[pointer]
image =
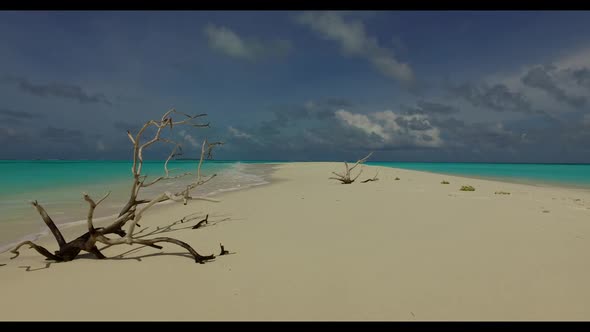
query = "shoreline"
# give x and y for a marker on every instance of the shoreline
(539, 184)
(528, 182)
(309, 248)
(44, 232)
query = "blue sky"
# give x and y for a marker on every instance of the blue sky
(412, 86)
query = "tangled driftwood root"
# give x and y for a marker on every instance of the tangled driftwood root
(135, 208)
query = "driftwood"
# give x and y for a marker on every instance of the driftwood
(205, 220)
(345, 178)
(135, 208)
(375, 178)
(223, 251)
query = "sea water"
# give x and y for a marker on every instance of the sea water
(568, 175)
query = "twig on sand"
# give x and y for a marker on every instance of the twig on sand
(206, 221)
(375, 178)
(223, 251)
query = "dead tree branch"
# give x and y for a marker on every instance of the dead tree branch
(345, 177)
(375, 178)
(205, 220)
(135, 208)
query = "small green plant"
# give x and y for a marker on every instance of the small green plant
(445, 182)
(396, 179)
(467, 188)
(502, 193)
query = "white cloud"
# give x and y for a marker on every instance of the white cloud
(243, 135)
(394, 129)
(559, 71)
(228, 42)
(362, 122)
(238, 133)
(353, 39)
(189, 139)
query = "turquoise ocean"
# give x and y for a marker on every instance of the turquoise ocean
(58, 185)
(567, 175)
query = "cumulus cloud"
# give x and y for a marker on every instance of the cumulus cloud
(355, 41)
(405, 135)
(557, 88)
(315, 127)
(362, 122)
(543, 78)
(228, 42)
(394, 129)
(240, 136)
(286, 116)
(238, 133)
(189, 138)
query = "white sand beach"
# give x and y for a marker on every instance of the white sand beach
(309, 248)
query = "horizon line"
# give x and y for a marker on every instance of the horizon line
(291, 160)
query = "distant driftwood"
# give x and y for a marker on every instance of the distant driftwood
(345, 178)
